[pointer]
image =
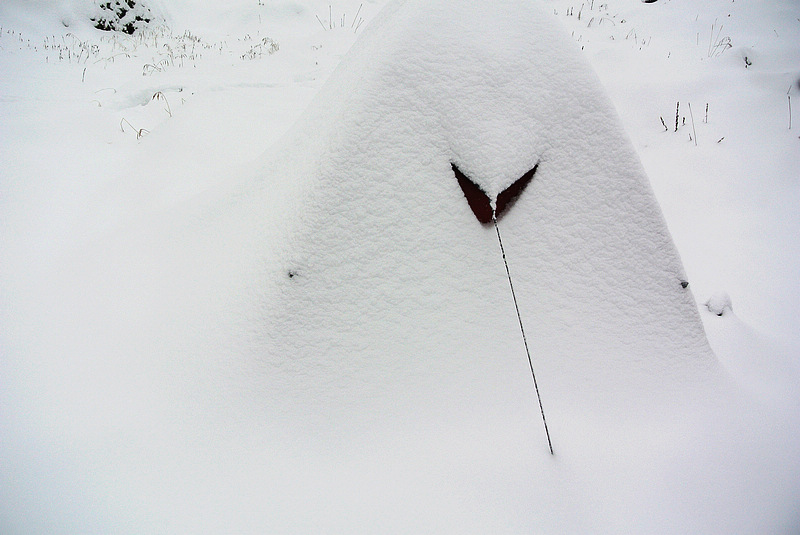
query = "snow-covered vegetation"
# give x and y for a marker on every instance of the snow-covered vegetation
(241, 289)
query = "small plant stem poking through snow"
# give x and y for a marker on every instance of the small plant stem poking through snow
(666, 129)
(691, 115)
(160, 96)
(522, 329)
(356, 17)
(677, 114)
(788, 96)
(139, 132)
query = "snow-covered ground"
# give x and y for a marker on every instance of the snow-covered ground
(731, 200)
(123, 160)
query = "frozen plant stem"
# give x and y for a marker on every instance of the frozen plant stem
(522, 329)
(356, 17)
(160, 96)
(677, 113)
(139, 132)
(691, 115)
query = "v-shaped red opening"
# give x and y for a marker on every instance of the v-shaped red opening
(479, 201)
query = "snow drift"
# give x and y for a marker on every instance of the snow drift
(333, 345)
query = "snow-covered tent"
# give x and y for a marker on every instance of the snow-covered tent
(387, 267)
(386, 332)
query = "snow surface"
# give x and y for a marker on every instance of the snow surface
(323, 340)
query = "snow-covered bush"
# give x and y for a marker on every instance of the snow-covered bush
(122, 16)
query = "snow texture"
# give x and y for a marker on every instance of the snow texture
(326, 341)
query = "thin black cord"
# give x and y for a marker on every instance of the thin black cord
(522, 329)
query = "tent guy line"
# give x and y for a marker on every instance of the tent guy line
(522, 329)
(488, 209)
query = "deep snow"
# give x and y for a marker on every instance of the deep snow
(147, 302)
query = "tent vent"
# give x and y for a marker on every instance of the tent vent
(479, 201)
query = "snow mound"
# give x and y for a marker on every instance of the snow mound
(719, 303)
